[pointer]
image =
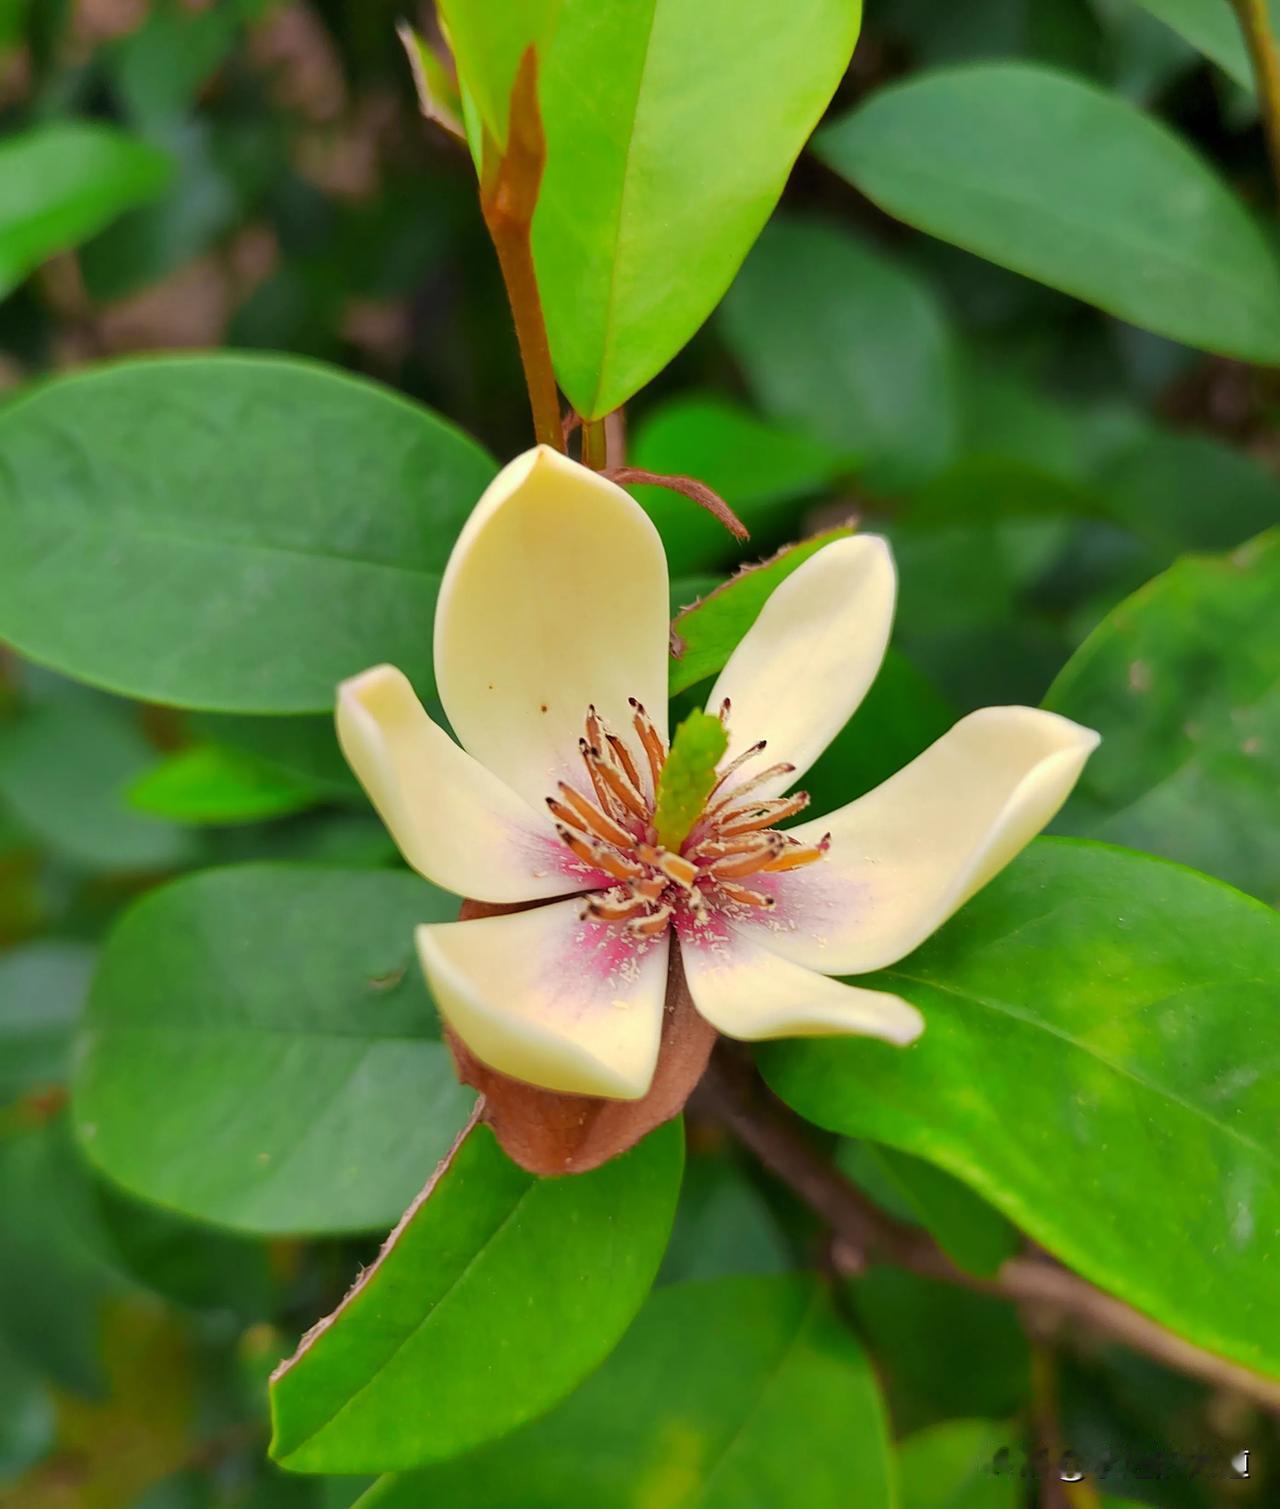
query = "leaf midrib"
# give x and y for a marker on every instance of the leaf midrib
(388, 1358)
(1091, 1050)
(1137, 248)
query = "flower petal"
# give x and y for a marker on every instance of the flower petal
(748, 992)
(546, 997)
(907, 855)
(455, 822)
(807, 661)
(554, 599)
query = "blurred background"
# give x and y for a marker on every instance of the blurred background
(1033, 461)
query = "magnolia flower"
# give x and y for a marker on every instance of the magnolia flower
(551, 645)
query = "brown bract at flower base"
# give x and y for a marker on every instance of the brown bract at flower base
(550, 1133)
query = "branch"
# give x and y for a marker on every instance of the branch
(508, 198)
(735, 1094)
(1255, 24)
(687, 487)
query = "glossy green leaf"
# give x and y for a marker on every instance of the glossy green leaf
(65, 767)
(708, 630)
(306, 748)
(977, 1237)
(494, 1296)
(61, 182)
(671, 127)
(1054, 178)
(724, 1393)
(836, 338)
(1183, 680)
(209, 783)
(1098, 1031)
(235, 533)
(43, 985)
(260, 1051)
(952, 1466)
(761, 469)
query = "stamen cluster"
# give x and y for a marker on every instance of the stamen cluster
(613, 830)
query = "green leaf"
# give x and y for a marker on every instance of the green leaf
(260, 1051)
(1213, 30)
(494, 1296)
(975, 1236)
(62, 182)
(55, 1267)
(488, 42)
(65, 766)
(671, 127)
(43, 986)
(898, 719)
(1098, 1026)
(723, 1393)
(1189, 492)
(759, 468)
(723, 1225)
(942, 1350)
(949, 1466)
(236, 533)
(1183, 681)
(688, 776)
(1056, 179)
(306, 748)
(838, 339)
(708, 630)
(208, 783)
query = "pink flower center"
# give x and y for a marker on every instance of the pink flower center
(609, 825)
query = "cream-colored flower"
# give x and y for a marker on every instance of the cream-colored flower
(551, 661)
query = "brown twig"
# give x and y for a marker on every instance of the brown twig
(508, 197)
(1255, 25)
(688, 487)
(863, 1233)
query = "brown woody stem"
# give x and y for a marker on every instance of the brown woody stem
(1255, 25)
(863, 1233)
(508, 197)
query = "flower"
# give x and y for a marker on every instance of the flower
(551, 643)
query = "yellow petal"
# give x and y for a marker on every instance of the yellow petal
(809, 658)
(555, 598)
(904, 857)
(747, 992)
(455, 822)
(546, 997)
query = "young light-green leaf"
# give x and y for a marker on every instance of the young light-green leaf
(1097, 1029)
(724, 1393)
(260, 1050)
(494, 1296)
(236, 533)
(688, 776)
(209, 783)
(671, 127)
(1055, 178)
(62, 182)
